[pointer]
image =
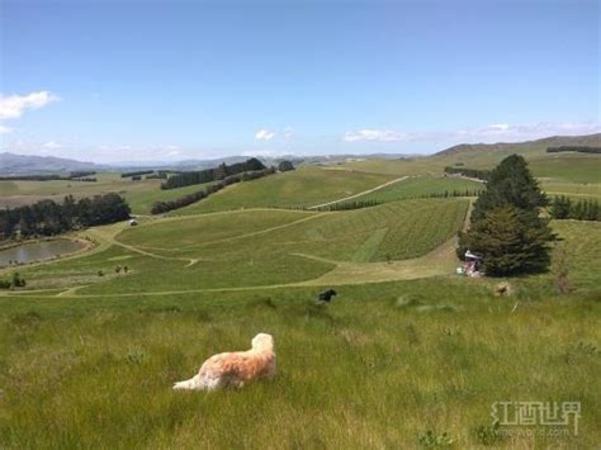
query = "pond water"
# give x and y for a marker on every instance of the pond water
(36, 251)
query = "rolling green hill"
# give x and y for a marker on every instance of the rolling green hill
(269, 247)
(304, 187)
(384, 365)
(574, 167)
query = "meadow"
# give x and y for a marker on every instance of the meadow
(303, 188)
(382, 366)
(139, 194)
(422, 186)
(269, 247)
(408, 355)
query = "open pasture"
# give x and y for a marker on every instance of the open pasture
(577, 168)
(304, 187)
(380, 367)
(256, 247)
(421, 186)
(406, 351)
(140, 195)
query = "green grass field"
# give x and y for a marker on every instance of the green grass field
(303, 187)
(407, 350)
(421, 186)
(380, 367)
(139, 194)
(269, 247)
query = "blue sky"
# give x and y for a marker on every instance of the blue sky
(156, 80)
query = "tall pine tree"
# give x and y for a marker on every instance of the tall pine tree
(506, 228)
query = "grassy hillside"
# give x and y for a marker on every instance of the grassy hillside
(421, 186)
(572, 167)
(139, 194)
(312, 185)
(254, 248)
(529, 149)
(407, 352)
(380, 367)
(304, 187)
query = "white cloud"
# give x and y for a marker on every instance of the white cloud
(499, 126)
(172, 150)
(370, 134)
(264, 135)
(51, 145)
(13, 106)
(5, 130)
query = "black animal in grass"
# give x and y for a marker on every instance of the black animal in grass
(326, 296)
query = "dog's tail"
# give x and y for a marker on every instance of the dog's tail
(194, 383)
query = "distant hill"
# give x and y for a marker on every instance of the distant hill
(527, 148)
(12, 164)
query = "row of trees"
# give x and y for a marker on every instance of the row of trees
(506, 230)
(73, 176)
(343, 206)
(161, 207)
(47, 217)
(480, 174)
(206, 176)
(454, 193)
(136, 173)
(574, 148)
(357, 204)
(564, 208)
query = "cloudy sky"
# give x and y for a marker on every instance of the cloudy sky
(110, 81)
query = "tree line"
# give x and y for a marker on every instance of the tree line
(343, 206)
(136, 173)
(574, 148)
(161, 207)
(563, 207)
(220, 172)
(73, 176)
(454, 193)
(480, 174)
(47, 217)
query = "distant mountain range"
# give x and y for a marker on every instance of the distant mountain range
(13, 164)
(529, 148)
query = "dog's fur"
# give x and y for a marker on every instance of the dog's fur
(326, 296)
(235, 368)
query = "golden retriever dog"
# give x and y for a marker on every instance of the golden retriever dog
(235, 368)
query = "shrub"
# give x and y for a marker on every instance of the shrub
(430, 439)
(489, 435)
(17, 280)
(285, 166)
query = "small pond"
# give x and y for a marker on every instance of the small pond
(36, 251)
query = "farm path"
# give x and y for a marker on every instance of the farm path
(359, 194)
